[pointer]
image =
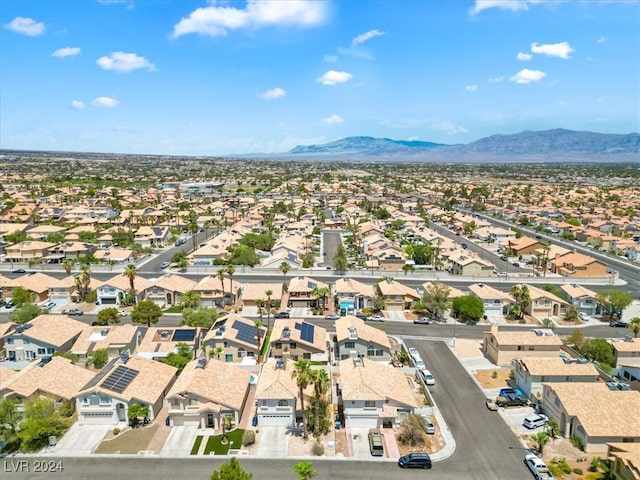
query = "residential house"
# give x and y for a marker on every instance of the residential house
(503, 347)
(5, 329)
(627, 356)
(234, 339)
(42, 336)
(55, 378)
(624, 461)
(544, 304)
(28, 251)
(116, 289)
(531, 372)
(158, 342)
(524, 247)
(114, 339)
(470, 266)
(593, 413)
(113, 254)
(168, 289)
(37, 284)
(216, 292)
(352, 295)
(496, 302)
(296, 339)
(122, 383)
(578, 265)
(253, 292)
(71, 251)
(302, 292)
(354, 338)
(40, 232)
(373, 395)
(278, 402)
(397, 297)
(583, 299)
(149, 236)
(206, 392)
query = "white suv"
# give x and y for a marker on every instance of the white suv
(536, 420)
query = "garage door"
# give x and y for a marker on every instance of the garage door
(275, 420)
(395, 308)
(361, 422)
(180, 421)
(108, 301)
(103, 418)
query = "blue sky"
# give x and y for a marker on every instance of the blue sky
(186, 77)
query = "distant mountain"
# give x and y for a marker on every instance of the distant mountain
(541, 145)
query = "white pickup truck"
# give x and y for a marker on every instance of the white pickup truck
(538, 467)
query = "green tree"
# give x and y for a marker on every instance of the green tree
(83, 282)
(340, 262)
(98, 358)
(304, 470)
(576, 338)
(10, 416)
(67, 265)
(178, 256)
(231, 471)
(230, 270)
(552, 428)
(634, 325)
(180, 358)
(436, 298)
(131, 273)
(614, 301)
(599, 350)
(220, 276)
(242, 255)
(203, 317)
(109, 315)
(55, 238)
(16, 237)
(258, 325)
(25, 313)
(136, 412)
(21, 295)
(468, 307)
(521, 295)
(146, 312)
(540, 439)
(284, 268)
(303, 376)
(269, 305)
(190, 299)
(321, 382)
(41, 421)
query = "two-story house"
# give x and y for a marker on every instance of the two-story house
(627, 356)
(114, 339)
(470, 266)
(544, 304)
(158, 342)
(168, 289)
(114, 290)
(216, 292)
(578, 265)
(397, 297)
(125, 381)
(354, 338)
(352, 295)
(582, 298)
(503, 347)
(42, 336)
(206, 392)
(296, 339)
(373, 395)
(253, 293)
(29, 250)
(496, 303)
(302, 292)
(235, 339)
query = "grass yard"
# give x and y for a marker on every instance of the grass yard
(196, 445)
(214, 443)
(173, 309)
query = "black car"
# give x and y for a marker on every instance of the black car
(19, 270)
(361, 316)
(415, 460)
(512, 400)
(281, 315)
(618, 323)
(422, 321)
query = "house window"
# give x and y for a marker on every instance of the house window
(371, 351)
(242, 353)
(379, 352)
(283, 403)
(306, 356)
(531, 348)
(349, 344)
(42, 351)
(9, 341)
(369, 404)
(543, 378)
(293, 345)
(51, 351)
(193, 402)
(85, 401)
(520, 347)
(30, 355)
(104, 400)
(278, 345)
(226, 345)
(228, 357)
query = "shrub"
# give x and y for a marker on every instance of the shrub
(577, 442)
(248, 438)
(317, 449)
(116, 431)
(577, 471)
(494, 374)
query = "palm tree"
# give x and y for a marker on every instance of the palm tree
(258, 325)
(321, 381)
(83, 281)
(190, 299)
(220, 276)
(521, 295)
(67, 265)
(634, 325)
(284, 268)
(260, 305)
(268, 293)
(303, 376)
(131, 273)
(231, 269)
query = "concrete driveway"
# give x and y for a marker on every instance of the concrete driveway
(273, 442)
(396, 315)
(514, 416)
(80, 440)
(359, 439)
(179, 442)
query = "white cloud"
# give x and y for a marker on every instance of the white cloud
(366, 36)
(77, 104)
(413, 138)
(602, 40)
(448, 127)
(330, 58)
(219, 19)
(524, 56)
(560, 50)
(527, 76)
(333, 77)
(273, 93)
(26, 26)
(66, 52)
(333, 119)
(124, 62)
(471, 88)
(512, 5)
(105, 102)
(495, 79)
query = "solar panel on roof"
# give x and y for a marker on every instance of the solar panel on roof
(311, 285)
(119, 379)
(306, 333)
(184, 335)
(246, 333)
(297, 326)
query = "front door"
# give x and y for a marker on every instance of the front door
(210, 420)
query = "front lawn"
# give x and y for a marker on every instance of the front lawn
(214, 443)
(196, 445)
(173, 309)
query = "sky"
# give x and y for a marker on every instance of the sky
(184, 77)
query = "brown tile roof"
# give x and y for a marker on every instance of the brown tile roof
(539, 366)
(392, 287)
(154, 341)
(278, 383)
(54, 330)
(91, 339)
(305, 284)
(486, 292)
(350, 285)
(255, 291)
(525, 338)
(632, 346)
(232, 334)
(577, 291)
(366, 333)
(175, 283)
(319, 343)
(38, 282)
(122, 282)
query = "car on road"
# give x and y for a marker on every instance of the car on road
(414, 353)
(516, 264)
(72, 312)
(361, 316)
(49, 304)
(332, 316)
(96, 323)
(427, 376)
(537, 466)
(503, 258)
(491, 404)
(512, 400)
(164, 265)
(376, 318)
(536, 420)
(422, 321)
(415, 460)
(618, 323)
(420, 365)
(281, 315)
(19, 270)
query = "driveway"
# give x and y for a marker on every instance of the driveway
(359, 440)
(396, 315)
(79, 440)
(273, 442)
(180, 441)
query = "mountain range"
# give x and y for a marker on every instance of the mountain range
(556, 144)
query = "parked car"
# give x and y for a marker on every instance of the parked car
(19, 270)
(332, 316)
(512, 400)
(414, 353)
(376, 318)
(538, 467)
(422, 321)
(361, 316)
(72, 312)
(491, 404)
(427, 376)
(429, 427)
(618, 323)
(9, 303)
(49, 304)
(415, 460)
(281, 315)
(164, 265)
(376, 447)
(536, 420)
(420, 365)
